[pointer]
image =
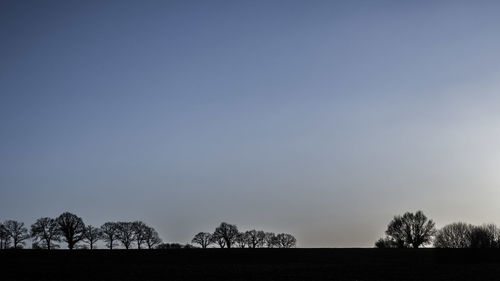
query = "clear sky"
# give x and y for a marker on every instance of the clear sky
(318, 118)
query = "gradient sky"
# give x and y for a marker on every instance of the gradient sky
(318, 118)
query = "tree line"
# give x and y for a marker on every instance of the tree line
(69, 228)
(413, 230)
(227, 236)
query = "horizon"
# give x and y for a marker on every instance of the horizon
(321, 119)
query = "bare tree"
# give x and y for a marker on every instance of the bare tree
(485, 236)
(227, 232)
(242, 240)
(4, 237)
(151, 237)
(139, 228)
(92, 235)
(270, 240)
(125, 234)
(45, 232)
(454, 235)
(204, 239)
(72, 228)
(219, 240)
(110, 234)
(411, 230)
(286, 240)
(17, 232)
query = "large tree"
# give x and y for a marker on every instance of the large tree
(4, 237)
(92, 235)
(125, 234)
(411, 230)
(270, 240)
(139, 229)
(46, 231)
(109, 232)
(286, 240)
(204, 239)
(242, 240)
(151, 237)
(72, 228)
(17, 232)
(226, 232)
(454, 235)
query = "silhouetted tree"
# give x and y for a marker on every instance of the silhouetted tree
(4, 237)
(92, 235)
(165, 246)
(411, 230)
(227, 232)
(109, 232)
(286, 240)
(17, 232)
(151, 237)
(216, 239)
(270, 240)
(204, 239)
(72, 228)
(242, 239)
(139, 228)
(386, 243)
(125, 234)
(454, 235)
(485, 236)
(45, 231)
(255, 238)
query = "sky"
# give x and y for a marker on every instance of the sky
(322, 119)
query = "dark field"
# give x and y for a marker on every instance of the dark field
(251, 264)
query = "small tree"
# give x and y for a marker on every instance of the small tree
(72, 228)
(204, 239)
(46, 232)
(411, 230)
(17, 232)
(125, 234)
(151, 237)
(454, 235)
(109, 232)
(386, 243)
(227, 232)
(92, 235)
(286, 240)
(485, 236)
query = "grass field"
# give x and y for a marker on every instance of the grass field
(251, 264)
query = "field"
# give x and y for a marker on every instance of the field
(251, 264)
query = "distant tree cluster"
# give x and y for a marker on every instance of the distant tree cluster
(69, 228)
(412, 230)
(227, 236)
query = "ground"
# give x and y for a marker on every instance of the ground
(251, 264)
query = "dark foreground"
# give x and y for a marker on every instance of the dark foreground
(251, 264)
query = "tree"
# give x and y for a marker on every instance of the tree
(109, 232)
(286, 240)
(204, 239)
(242, 240)
(17, 232)
(139, 228)
(217, 239)
(45, 232)
(485, 236)
(227, 232)
(72, 228)
(454, 235)
(125, 234)
(270, 240)
(411, 230)
(255, 238)
(151, 237)
(92, 235)
(386, 243)
(4, 237)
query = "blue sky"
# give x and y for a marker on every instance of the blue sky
(319, 118)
